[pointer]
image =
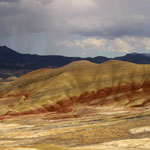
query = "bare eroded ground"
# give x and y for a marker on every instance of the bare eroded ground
(91, 129)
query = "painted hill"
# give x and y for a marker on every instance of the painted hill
(80, 83)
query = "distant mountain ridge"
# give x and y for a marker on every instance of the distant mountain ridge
(12, 60)
(138, 58)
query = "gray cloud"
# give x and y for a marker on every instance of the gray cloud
(61, 20)
(22, 18)
(89, 18)
(114, 18)
(9, 1)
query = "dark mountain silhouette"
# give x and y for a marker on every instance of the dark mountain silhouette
(14, 60)
(14, 63)
(138, 58)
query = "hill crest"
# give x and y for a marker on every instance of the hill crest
(115, 83)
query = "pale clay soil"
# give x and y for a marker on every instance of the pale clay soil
(107, 129)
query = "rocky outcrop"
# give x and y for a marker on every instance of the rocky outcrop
(59, 90)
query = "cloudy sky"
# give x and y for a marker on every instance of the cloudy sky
(76, 27)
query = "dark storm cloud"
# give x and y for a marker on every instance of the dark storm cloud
(131, 29)
(114, 18)
(21, 17)
(89, 18)
(9, 1)
(60, 20)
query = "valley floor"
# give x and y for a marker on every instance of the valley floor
(106, 128)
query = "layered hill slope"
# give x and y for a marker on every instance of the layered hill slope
(80, 83)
